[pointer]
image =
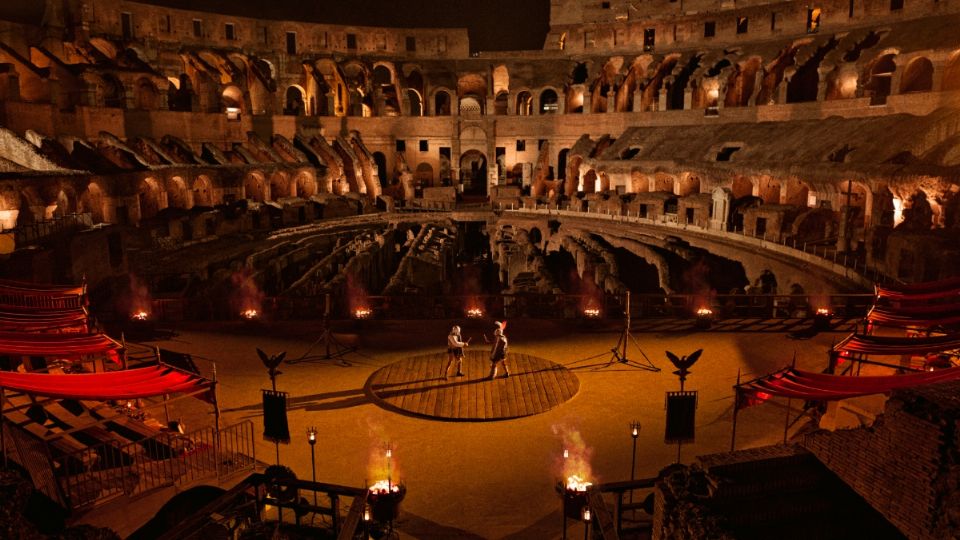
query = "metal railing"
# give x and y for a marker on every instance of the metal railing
(106, 470)
(33, 232)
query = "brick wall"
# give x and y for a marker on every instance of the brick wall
(892, 465)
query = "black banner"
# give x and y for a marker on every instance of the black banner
(681, 416)
(275, 428)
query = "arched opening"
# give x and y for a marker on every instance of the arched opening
(470, 105)
(798, 193)
(572, 182)
(574, 100)
(549, 102)
(92, 201)
(589, 182)
(113, 92)
(306, 184)
(65, 204)
(663, 182)
(881, 75)
(441, 103)
(603, 182)
(28, 208)
(381, 162)
(500, 103)
(688, 185)
(951, 73)
(473, 172)
(177, 193)
(562, 164)
(294, 104)
(524, 104)
(382, 75)
(917, 77)
(741, 84)
(501, 80)
(149, 198)
(769, 190)
(279, 186)
(148, 98)
(203, 191)
(255, 187)
(741, 187)
(416, 103)
(232, 97)
(639, 181)
(424, 175)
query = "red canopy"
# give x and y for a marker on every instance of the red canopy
(924, 316)
(111, 385)
(69, 320)
(930, 290)
(794, 383)
(866, 344)
(35, 296)
(58, 345)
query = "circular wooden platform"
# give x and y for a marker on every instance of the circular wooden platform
(416, 386)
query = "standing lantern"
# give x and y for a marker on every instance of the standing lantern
(312, 439)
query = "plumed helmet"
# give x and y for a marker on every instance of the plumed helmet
(455, 330)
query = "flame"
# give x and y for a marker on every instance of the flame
(247, 296)
(362, 313)
(249, 314)
(382, 487)
(704, 312)
(140, 315)
(475, 313)
(575, 464)
(592, 313)
(823, 312)
(575, 483)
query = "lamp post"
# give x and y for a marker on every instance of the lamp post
(635, 433)
(586, 515)
(389, 466)
(312, 439)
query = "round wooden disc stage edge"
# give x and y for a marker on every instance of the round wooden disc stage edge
(416, 386)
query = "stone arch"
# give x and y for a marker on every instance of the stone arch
(741, 187)
(149, 197)
(768, 189)
(639, 181)
(380, 160)
(951, 73)
(424, 175)
(663, 182)
(687, 184)
(31, 207)
(232, 96)
(742, 82)
(93, 201)
(442, 105)
(294, 103)
(471, 105)
(798, 193)
(255, 187)
(524, 103)
(177, 194)
(473, 172)
(917, 76)
(574, 99)
(879, 83)
(64, 202)
(415, 102)
(589, 182)
(501, 103)
(147, 97)
(549, 101)
(280, 186)
(572, 182)
(562, 163)
(472, 85)
(603, 182)
(306, 184)
(501, 79)
(203, 191)
(114, 93)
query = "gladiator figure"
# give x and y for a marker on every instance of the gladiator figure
(455, 345)
(498, 352)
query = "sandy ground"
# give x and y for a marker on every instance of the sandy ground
(488, 479)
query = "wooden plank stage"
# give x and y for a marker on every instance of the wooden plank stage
(416, 386)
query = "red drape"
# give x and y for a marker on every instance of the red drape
(930, 290)
(925, 317)
(866, 344)
(58, 345)
(114, 385)
(794, 383)
(66, 320)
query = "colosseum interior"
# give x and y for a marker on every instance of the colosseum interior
(771, 183)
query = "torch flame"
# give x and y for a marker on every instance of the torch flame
(704, 312)
(382, 487)
(140, 315)
(362, 313)
(249, 314)
(575, 483)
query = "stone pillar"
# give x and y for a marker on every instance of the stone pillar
(637, 101)
(687, 98)
(662, 99)
(587, 102)
(611, 102)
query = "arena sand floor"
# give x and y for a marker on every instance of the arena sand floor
(493, 479)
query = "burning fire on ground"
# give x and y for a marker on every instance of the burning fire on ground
(823, 312)
(249, 314)
(591, 313)
(704, 312)
(140, 315)
(382, 487)
(139, 300)
(475, 313)
(247, 297)
(575, 464)
(362, 313)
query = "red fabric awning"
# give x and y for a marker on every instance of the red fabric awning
(112, 385)
(42, 297)
(923, 316)
(58, 345)
(66, 320)
(860, 343)
(794, 383)
(930, 290)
